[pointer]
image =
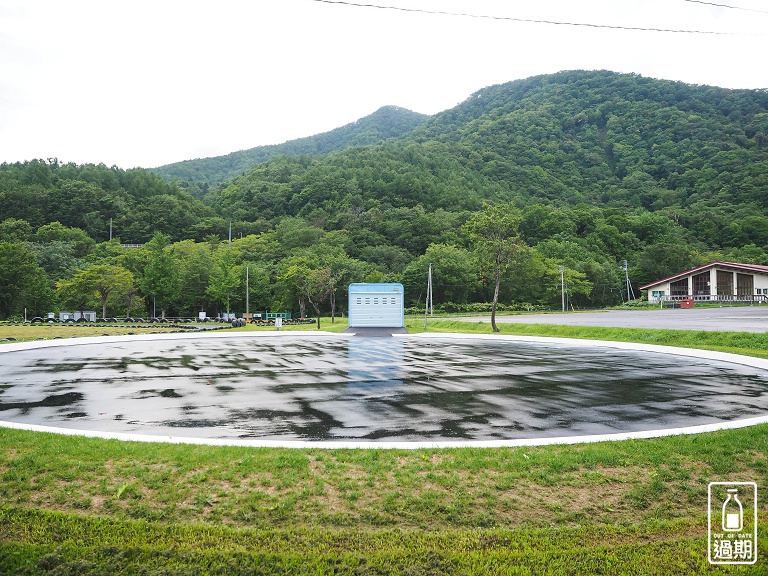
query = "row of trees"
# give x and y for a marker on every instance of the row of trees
(297, 267)
(500, 254)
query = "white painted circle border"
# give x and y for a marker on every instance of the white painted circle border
(403, 445)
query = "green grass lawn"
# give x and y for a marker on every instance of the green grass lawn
(748, 343)
(89, 506)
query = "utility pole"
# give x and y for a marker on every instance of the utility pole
(429, 288)
(629, 286)
(428, 306)
(247, 307)
(110, 230)
(562, 286)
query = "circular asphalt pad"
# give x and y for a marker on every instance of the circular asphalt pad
(370, 389)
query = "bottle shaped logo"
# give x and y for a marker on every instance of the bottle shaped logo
(732, 523)
(733, 513)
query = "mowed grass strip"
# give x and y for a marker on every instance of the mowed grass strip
(44, 528)
(753, 344)
(46, 331)
(672, 558)
(625, 482)
(80, 505)
(70, 544)
(30, 332)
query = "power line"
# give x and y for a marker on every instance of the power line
(526, 20)
(727, 6)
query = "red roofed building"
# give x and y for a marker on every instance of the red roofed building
(714, 282)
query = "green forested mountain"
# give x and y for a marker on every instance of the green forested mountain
(88, 196)
(616, 139)
(599, 138)
(602, 167)
(387, 122)
(693, 160)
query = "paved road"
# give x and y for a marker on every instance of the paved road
(730, 319)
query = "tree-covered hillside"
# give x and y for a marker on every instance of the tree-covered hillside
(593, 167)
(137, 202)
(605, 139)
(387, 122)
(615, 139)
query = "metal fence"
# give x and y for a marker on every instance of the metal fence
(717, 298)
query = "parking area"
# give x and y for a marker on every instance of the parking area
(726, 318)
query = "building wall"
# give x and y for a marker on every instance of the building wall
(761, 283)
(89, 315)
(376, 305)
(664, 290)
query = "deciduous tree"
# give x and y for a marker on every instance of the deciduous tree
(496, 237)
(226, 278)
(100, 282)
(161, 280)
(23, 284)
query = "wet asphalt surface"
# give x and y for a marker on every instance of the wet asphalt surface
(370, 389)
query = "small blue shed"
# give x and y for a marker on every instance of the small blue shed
(376, 305)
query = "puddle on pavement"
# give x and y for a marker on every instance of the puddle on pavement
(370, 389)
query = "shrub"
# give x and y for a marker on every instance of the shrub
(479, 308)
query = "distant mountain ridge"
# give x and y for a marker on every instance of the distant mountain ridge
(694, 155)
(592, 137)
(387, 122)
(603, 166)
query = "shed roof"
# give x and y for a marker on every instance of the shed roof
(756, 268)
(375, 287)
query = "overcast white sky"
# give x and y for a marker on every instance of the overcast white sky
(146, 83)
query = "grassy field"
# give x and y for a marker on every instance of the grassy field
(29, 332)
(748, 343)
(90, 506)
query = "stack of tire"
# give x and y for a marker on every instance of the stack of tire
(238, 322)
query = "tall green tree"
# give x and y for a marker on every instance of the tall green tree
(293, 278)
(76, 293)
(343, 270)
(226, 278)
(160, 281)
(195, 267)
(15, 230)
(103, 283)
(260, 288)
(495, 233)
(318, 287)
(23, 284)
(453, 274)
(81, 243)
